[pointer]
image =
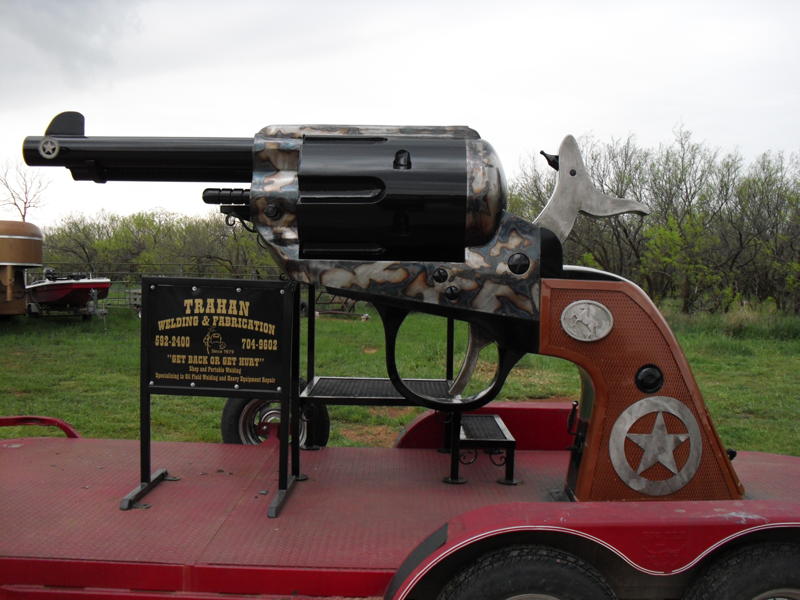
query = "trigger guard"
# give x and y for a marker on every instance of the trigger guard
(478, 340)
(392, 320)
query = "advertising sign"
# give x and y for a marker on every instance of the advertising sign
(216, 337)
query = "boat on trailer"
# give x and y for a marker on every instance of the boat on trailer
(74, 292)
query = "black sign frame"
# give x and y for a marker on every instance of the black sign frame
(268, 302)
(284, 332)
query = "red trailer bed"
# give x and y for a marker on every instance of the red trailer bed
(348, 527)
(343, 532)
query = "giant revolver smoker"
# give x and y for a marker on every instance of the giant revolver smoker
(413, 219)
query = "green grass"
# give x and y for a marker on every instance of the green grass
(86, 372)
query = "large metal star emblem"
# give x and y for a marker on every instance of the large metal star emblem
(659, 446)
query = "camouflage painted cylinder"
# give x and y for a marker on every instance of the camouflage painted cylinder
(378, 193)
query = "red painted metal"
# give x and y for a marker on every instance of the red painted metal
(82, 573)
(654, 538)
(651, 537)
(343, 533)
(535, 425)
(286, 581)
(14, 421)
(32, 592)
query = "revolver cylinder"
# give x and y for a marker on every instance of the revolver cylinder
(378, 193)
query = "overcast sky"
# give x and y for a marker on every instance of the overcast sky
(523, 74)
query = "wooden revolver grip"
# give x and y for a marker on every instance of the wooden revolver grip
(638, 440)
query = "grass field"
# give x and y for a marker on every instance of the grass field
(86, 372)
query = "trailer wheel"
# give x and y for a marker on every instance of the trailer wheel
(528, 573)
(766, 571)
(252, 421)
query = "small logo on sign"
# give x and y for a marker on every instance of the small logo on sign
(587, 321)
(213, 341)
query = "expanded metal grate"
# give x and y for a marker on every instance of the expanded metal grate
(346, 390)
(481, 427)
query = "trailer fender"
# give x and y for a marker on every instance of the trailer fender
(652, 538)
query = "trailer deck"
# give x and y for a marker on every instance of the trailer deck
(60, 523)
(348, 528)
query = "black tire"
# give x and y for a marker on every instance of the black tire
(252, 421)
(768, 571)
(530, 572)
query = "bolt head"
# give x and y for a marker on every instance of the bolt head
(440, 275)
(272, 211)
(649, 379)
(519, 263)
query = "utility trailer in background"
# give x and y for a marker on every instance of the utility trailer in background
(20, 249)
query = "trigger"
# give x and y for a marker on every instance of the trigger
(478, 340)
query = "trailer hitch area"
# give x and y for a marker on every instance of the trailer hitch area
(16, 421)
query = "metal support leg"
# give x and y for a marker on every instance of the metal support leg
(285, 481)
(290, 423)
(455, 450)
(509, 478)
(147, 480)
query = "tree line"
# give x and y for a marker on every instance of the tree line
(721, 231)
(155, 243)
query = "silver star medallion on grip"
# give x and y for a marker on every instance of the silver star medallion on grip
(659, 446)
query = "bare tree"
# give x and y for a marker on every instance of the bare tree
(22, 189)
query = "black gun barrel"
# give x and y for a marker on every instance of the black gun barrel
(104, 159)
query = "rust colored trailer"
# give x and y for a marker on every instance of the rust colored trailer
(20, 248)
